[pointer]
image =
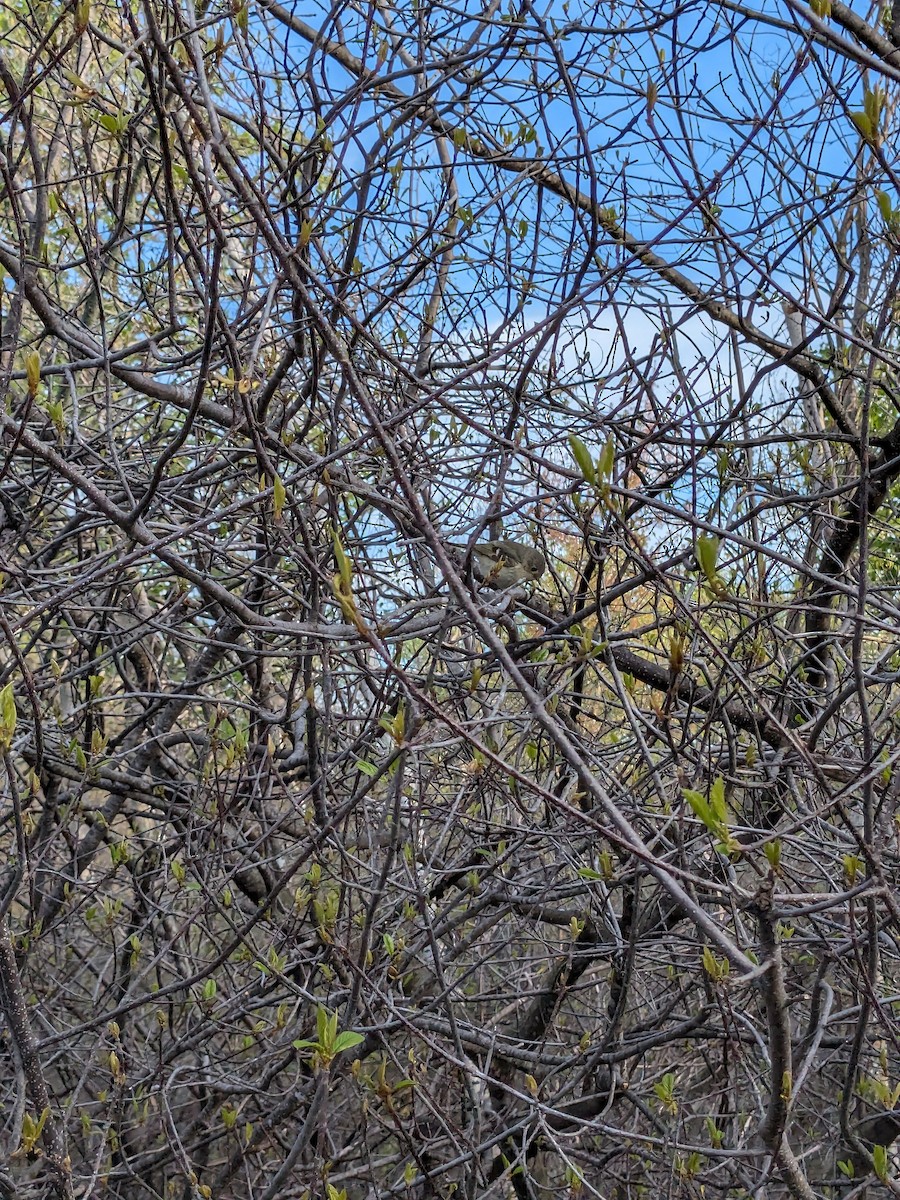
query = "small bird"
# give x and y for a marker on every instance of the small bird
(505, 564)
(877, 1129)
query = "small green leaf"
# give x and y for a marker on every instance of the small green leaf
(582, 457)
(872, 105)
(589, 873)
(853, 868)
(699, 806)
(863, 123)
(322, 1024)
(880, 1159)
(347, 1040)
(716, 1135)
(343, 562)
(717, 804)
(772, 851)
(278, 499)
(33, 372)
(7, 717)
(396, 725)
(713, 812)
(707, 554)
(665, 1093)
(716, 968)
(607, 460)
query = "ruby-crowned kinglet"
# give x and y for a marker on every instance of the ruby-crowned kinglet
(505, 564)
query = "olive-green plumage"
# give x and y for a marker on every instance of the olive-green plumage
(505, 564)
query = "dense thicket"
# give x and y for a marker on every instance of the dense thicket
(328, 869)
